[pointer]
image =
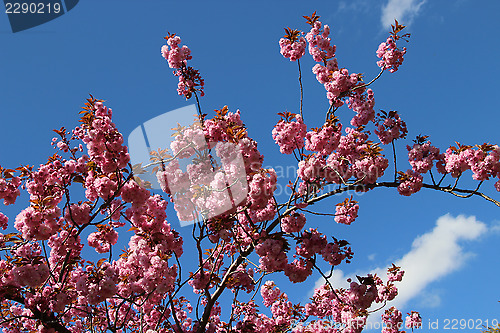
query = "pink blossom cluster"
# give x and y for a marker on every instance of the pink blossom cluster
(422, 157)
(390, 127)
(289, 135)
(262, 187)
(293, 50)
(346, 212)
(337, 83)
(391, 57)
(46, 189)
(324, 140)
(223, 129)
(319, 42)
(368, 169)
(361, 295)
(413, 320)
(362, 103)
(204, 278)
(312, 169)
(35, 224)
(176, 56)
(395, 274)
(172, 179)
(27, 324)
(66, 245)
(293, 222)
(4, 221)
(410, 182)
(30, 275)
(357, 157)
(96, 284)
(242, 279)
(103, 239)
(218, 128)
(324, 304)
(338, 169)
(343, 306)
(457, 161)
(485, 164)
(393, 321)
(203, 187)
(78, 214)
(270, 293)
(188, 141)
(299, 270)
(190, 79)
(367, 164)
(324, 73)
(312, 242)
(388, 291)
(105, 144)
(9, 190)
(146, 267)
(272, 255)
(214, 189)
(284, 313)
(484, 161)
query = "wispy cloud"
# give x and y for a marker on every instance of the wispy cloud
(495, 227)
(433, 255)
(402, 10)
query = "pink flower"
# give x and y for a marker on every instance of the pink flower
(393, 320)
(347, 211)
(292, 50)
(319, 42)
(422, 156)
(410, 182)
(413, 320)
(363, 105)
(390, 127)
(272, 255)
(324, 140)
(270, 293)
(78, 214)
(176, 56)
(289, 134)
(3, 221)
(293, 222)
(391, 56)
(9, 191)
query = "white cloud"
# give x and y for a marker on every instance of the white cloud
(433, 255)
(429, 299)
(495, 228)
(437, 254)
(402, 10)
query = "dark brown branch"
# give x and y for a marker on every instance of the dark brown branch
(48, 320)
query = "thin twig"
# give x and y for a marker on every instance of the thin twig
(369, 83)
(301, 89)
(395, 164)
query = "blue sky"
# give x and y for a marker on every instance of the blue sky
(446, 88)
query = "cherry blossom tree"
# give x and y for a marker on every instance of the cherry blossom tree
(241, 232)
